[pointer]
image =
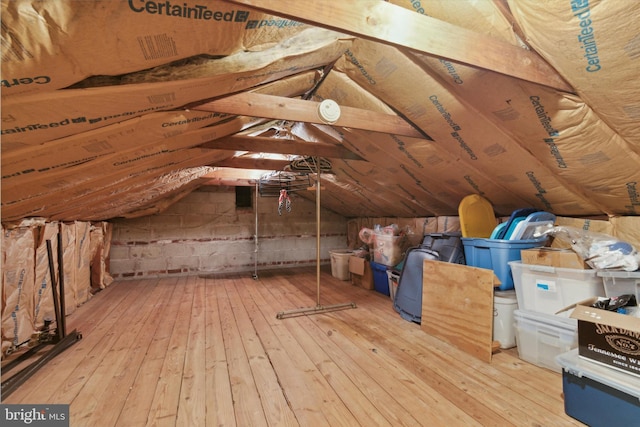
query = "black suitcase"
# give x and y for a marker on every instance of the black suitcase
(408, 300)
(448, 246)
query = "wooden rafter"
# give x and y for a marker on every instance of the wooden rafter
(393, 25)
(282, 146)
(298, 110)
(247, 163)
(232, 177)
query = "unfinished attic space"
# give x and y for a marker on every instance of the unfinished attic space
(320, 213)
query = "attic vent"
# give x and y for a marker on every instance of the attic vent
(243, 197)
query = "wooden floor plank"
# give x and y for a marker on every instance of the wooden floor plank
(273, 401)
(335, 376)
(246, 400)
(137, 406)
(122, 363)
(191, 409)
(290, 363)
(219, 403)
(371, 404)
(164, 407)
(210, 351)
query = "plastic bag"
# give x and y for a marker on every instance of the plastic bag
(366, 235)
(362, 252)
(600, 251)
(616, 303)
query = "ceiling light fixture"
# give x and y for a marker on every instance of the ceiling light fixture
(329, 111)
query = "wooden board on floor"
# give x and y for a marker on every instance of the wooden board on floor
(457, 306)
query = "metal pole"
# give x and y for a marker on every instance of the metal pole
(319, 308)
(54, 290)
(255, 256)
(318, 232)
(63, 309)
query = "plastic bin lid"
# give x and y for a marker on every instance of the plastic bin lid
(525, 228)
(505, 294)
(503, 244)
(574, 364)
(518, 265)
(498, 231)
(508, 226)
(566, 323)
(505, 297)
(341, 251)
(477, 218)
(620, 273)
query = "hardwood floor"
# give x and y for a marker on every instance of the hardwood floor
(196, 351)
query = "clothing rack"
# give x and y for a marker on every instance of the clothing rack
(320, 165)
(271, 184)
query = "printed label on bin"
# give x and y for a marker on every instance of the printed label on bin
(549, 286)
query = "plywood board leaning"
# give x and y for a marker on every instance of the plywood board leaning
(457, 306)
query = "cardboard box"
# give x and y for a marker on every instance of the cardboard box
(607, 337)
(553, 257)
(361, 273)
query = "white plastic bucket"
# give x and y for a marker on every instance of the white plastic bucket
(340, 263)
(504, 304)
(393, 276)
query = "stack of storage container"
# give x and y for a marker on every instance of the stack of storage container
(601, 378)
(565, 322)
(546, 281)
(389, 245)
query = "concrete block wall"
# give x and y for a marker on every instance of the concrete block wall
(205, 233)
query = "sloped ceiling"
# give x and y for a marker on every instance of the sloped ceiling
(120, 108)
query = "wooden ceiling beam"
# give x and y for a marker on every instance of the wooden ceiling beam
(248, 163)
(298, 110)
(394, 25)
(228, 181)
(232, 176)
(260, 144)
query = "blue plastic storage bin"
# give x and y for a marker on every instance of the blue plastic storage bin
(598, 395)
(380, 278)
(495, 254)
